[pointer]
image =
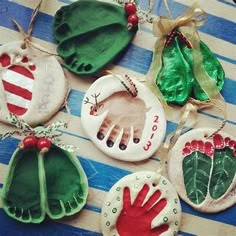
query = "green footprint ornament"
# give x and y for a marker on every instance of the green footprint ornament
(176, 79)
(91, 34)
(43, 180)
(209, 168)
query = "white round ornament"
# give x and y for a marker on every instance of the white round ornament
(203, 169)
(33, 85)
(143, 203)
(123, 118)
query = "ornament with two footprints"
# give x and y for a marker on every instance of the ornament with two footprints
(35, 187)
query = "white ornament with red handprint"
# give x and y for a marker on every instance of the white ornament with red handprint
(143, 203)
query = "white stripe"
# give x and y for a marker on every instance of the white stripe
(17, 100)
(17, 79)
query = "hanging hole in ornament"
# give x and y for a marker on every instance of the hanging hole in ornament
(23, 46)
(206, 135)
(154, 184)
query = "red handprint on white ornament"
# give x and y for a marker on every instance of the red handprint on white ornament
(135, 219)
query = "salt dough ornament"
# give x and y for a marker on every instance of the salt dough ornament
(33, 85)
(143, 203)
(91, 34)
(203, 170)
(123, 118)
(44, 179)
(176, 79)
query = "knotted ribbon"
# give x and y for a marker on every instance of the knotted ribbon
(38, 132)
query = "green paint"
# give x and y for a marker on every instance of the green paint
(37, 184)
(196, 170)
(176, 78)
(224, 170)
(211, 65)
(91, 34)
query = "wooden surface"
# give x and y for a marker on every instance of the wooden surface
(219, 33)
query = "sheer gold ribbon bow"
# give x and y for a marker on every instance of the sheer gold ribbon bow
(189, 21)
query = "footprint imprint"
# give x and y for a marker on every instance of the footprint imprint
(209, 167)
(17, 80)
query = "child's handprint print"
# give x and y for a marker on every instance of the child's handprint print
(136, 219)
(126, 114)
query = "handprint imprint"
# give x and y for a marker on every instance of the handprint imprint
(136, 219)
(126, 114)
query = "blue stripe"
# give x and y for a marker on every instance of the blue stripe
(99, 173)
(226, 29)
(185, 234)
(215, 26)
(227, 59)
(10, 227)
(228, 91)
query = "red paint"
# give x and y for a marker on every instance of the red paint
(130, 8)
(43, 143)
(154, 128)
(19, 91)
(232, 143)
(19, 111)
(135, 219)
(194, 145)
(186, 151)
(29, 142)
(218, 141)
(200, 145)
(227, 139)
(209, 149)
(5, 60)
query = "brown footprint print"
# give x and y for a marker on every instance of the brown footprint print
(17, 79)
(126, 114)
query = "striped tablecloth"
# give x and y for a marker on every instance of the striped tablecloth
(219, 33)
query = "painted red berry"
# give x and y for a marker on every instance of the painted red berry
(29, 141)
(133, 20)
(43, 143)
(130, 8)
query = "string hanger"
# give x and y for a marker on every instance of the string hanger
(27, 35)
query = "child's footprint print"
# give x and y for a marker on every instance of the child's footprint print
(209, 167)
(17, 79)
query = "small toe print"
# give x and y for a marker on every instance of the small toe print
(110, 143)
(136, 140)
(100, 136)
(122, 146)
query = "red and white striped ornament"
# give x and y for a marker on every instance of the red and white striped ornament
(33, 85)
(18, 85)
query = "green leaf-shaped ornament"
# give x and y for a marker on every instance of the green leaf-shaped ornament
(196, 170)
(175, 79)
(211, 65)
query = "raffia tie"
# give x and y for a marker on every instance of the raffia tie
(47, 132)
(27, 35)
(190, 109)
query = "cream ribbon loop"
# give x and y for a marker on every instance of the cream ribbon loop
(163, 26)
